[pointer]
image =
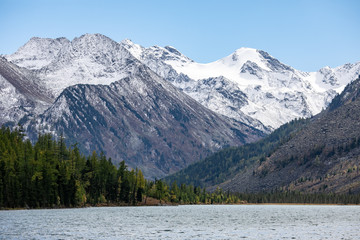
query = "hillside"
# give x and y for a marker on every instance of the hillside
(228, 162)
(321, 157)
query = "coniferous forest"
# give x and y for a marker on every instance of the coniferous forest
(49, 174)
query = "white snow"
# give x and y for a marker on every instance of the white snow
(273, 93)
(38, 52)
(228, 67)
(136, 50)
(295, 93)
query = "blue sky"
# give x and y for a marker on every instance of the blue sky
(304, 34)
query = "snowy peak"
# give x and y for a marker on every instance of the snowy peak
(88, 59)
(243, 55)
(94, 47)
(89, 44)
(173, 50)
(271, 92)
(37, 52)
(259, 57)
(275, 93)
(165, 54)
(240, 67)
(135, 49)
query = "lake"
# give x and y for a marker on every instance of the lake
(184, 222)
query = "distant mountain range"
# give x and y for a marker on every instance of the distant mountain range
(154, 107)
(249, 85)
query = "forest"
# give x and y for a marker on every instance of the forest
(48, 174)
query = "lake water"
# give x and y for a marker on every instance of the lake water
(185, 222)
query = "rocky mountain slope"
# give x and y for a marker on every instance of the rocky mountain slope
(143, 120)
(21, 93)
(317, 155)
(266, 90)
(325, 155)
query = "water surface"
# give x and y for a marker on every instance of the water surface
(185, 222)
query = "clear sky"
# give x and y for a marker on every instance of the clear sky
(305, 34)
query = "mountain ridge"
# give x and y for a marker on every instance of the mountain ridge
(319, 155)
(275, 92)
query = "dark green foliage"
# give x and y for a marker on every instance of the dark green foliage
(299, 198)
(48, 174)
(228, 162)
(187, 194)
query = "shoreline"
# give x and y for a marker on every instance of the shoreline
(176, 205)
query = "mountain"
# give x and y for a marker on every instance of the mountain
(216, 93)
(38, 52)
(315, 155)
(249, 85)
(21, 93)
(60, 63)
(143, 120)
(272, 93)
(250, 91)
(102, 97)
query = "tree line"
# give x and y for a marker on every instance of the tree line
(296, 197)
(49, 174)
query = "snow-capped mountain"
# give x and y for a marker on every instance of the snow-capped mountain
(94, 89)
(21, 93)
(248, 85)
(38, 52)
(216, 93)
(143, 120)
(99, 95)
(272, 92)
(89, 59)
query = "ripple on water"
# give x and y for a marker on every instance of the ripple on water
(184, 222)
